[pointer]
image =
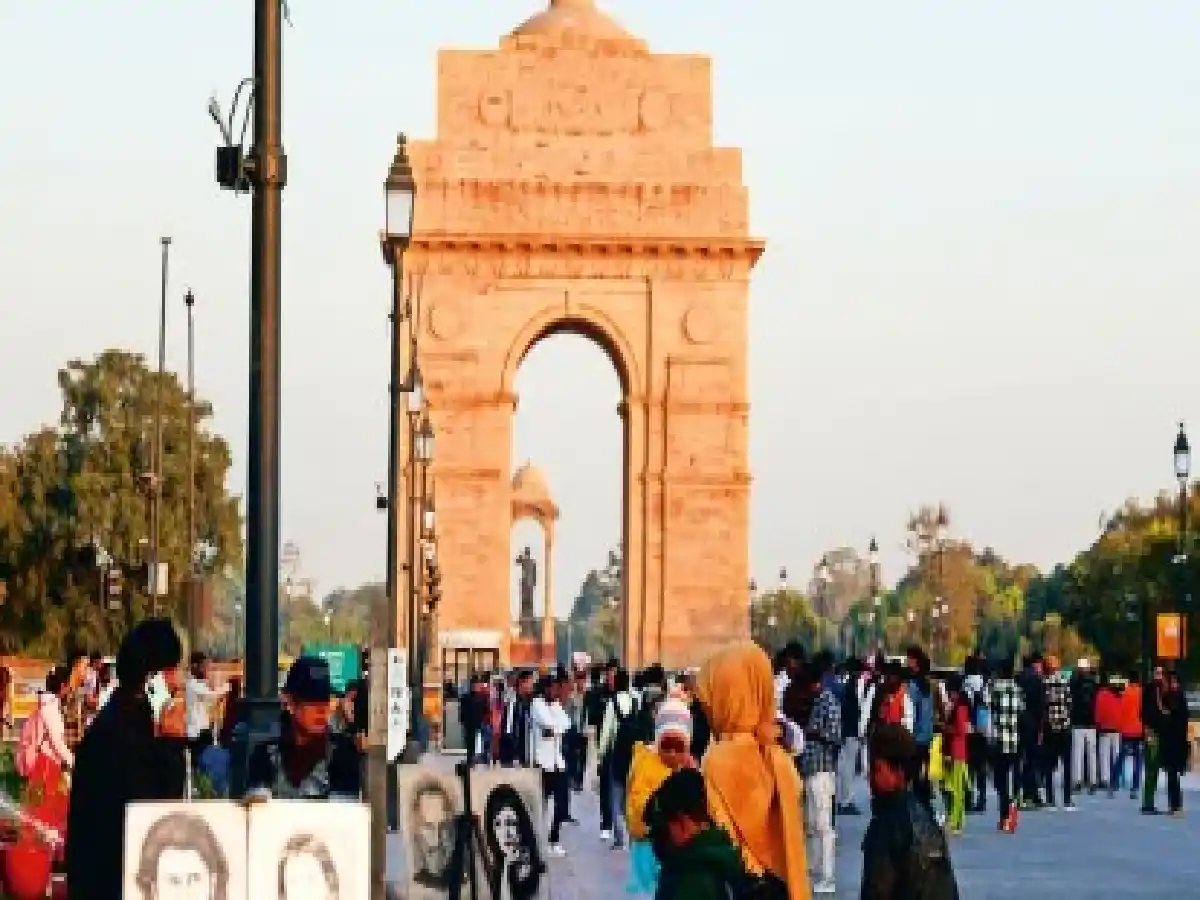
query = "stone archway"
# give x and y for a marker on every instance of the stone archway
(573, 184)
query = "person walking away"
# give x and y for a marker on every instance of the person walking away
(701, 733)
(124, 758)
(306, 761)
(698, 860)
(1131, 740)
(851, 749)
(752, 784)
(1173, 746)
(1153, 716)
(888, 701)
(618, 734)
(1107, 719)
(1032, 723)
(977, 695)
(576, 742)
(652, 765)
(1007, 713)
(550, 724)
(921, 692)
(955, 732)
(905, 855)
(818, 763)
(1056, 740)
(514, 739)
(1084, 750)
(473, 715)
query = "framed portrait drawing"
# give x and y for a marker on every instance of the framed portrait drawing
(429, 802)
(506, 805)
(178, 851)
(305, 850)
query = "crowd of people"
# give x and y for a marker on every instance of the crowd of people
(728, 780)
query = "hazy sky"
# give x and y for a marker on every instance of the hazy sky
(981, 285)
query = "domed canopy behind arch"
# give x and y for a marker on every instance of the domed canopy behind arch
(576, 17)
(531, 498)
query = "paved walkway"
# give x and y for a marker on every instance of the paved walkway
(1105, 851)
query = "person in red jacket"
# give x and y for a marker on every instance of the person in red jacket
(1108, 729)
(1131, 738)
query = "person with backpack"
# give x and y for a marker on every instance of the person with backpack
(888, 701)
(618, 733)
(853, 693)
(921, 691)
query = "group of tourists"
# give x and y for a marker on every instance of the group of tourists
(726, 781)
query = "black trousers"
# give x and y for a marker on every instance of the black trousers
(977, 768)
(556, 790)
(606, 798)
(1174, 793)
(575, 751)
(1004, 770)
(1056, 749)
(1031, 765)
(919, 775)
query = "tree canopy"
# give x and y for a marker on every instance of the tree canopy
(74, 503)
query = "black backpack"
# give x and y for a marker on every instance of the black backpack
(620, 757)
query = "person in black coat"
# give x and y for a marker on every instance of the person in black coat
(1174, 747)
(124, 759)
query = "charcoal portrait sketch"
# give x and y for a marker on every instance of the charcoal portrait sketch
(430, 804)
(309, 850)
(194, 851)
(507, 806)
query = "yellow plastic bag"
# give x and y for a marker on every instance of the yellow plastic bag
(937, 768)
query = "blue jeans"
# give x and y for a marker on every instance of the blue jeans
(1129, 747)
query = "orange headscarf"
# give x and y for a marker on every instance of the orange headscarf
(753, 788)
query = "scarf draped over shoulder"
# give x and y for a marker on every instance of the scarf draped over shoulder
(753, 787)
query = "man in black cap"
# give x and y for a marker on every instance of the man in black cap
(307, 761)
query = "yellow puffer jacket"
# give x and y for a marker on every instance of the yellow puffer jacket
(646, 775)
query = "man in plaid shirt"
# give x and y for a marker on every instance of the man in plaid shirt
(1007, 706)
(818, 762)
(1056, 734)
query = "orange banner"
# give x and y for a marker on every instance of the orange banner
(1171, 634)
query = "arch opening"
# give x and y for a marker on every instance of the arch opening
(568, 445)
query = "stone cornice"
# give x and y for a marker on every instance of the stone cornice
(570, 256)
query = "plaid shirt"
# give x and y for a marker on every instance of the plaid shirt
(1007, 704)
(1058, 703)
(824, 735)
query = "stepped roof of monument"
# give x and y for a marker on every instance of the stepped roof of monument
(577, 17)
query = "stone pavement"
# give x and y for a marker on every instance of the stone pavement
(1105, 851)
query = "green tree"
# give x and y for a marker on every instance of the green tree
(75, 496)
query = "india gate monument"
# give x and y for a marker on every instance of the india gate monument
(573, 185)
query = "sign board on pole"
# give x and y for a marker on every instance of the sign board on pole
(1171, 636)
(344, 661)
(399, 701)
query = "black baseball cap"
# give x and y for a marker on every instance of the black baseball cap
(308, 681)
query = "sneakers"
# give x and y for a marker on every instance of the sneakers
(606, 835)
(556, 851)
(824, 886)
(1070, 807)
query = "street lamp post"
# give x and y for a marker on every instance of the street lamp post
(1183, 471)
(157, 589)
(192, 596)
(752, 591)
(876, 604)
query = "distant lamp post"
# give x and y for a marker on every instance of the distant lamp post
(876, 602)
(783, 581)
(1183, 471)
(752, 591)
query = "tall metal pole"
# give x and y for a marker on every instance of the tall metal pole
(412, 749)
(268, 169)
(156, 481)
(189, 300)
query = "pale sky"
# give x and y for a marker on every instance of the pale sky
(981, 284)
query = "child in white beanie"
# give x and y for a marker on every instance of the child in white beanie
(652, 765)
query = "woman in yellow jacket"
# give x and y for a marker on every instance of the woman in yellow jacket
(652, 764)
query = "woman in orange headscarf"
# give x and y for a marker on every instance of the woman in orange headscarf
(753, 788)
